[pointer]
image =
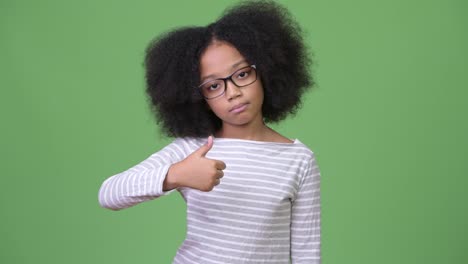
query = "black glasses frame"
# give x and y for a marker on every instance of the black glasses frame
(225, 81)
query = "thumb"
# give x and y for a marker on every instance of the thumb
(205, 148)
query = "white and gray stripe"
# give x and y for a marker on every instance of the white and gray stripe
(265, 210)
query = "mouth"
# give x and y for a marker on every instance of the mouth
(238, 108)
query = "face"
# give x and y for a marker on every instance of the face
(238, 106)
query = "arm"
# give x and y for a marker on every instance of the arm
(305, 218)
(144, 181)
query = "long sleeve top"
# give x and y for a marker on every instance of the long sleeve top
(265, 210)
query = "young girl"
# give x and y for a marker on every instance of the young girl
(253, 195)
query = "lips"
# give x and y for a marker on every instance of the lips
(238, 108)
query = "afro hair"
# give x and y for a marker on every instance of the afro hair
(262, 31)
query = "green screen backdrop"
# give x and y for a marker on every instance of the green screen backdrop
(387, 121)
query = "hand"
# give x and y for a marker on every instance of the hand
(196, 171)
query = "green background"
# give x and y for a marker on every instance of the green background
(387, 121)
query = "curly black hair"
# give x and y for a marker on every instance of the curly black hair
(262, 31)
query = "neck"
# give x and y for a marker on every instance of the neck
(253, 131)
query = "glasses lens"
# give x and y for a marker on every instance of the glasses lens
(244, 76)
(212, 89)
(241, 77)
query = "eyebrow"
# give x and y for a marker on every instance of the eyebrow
(235, 65)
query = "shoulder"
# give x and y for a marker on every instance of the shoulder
(180, 147)
(308, 155)
(189, 143)
(310, 161)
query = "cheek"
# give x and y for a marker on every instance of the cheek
(213, 106)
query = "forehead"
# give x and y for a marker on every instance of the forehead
(219, 58)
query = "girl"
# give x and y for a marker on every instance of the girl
(253, 195)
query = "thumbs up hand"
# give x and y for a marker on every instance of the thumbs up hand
(196, 171)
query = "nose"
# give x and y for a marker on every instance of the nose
(232, 91)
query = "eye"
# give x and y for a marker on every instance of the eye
(213, 87)
(242, 74)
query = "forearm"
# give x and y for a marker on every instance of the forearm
(131, 187)
(145, 181)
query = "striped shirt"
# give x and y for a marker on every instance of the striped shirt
(265, 210)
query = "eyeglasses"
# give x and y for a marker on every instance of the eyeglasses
(217, 87)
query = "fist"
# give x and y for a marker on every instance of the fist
(197, 171)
